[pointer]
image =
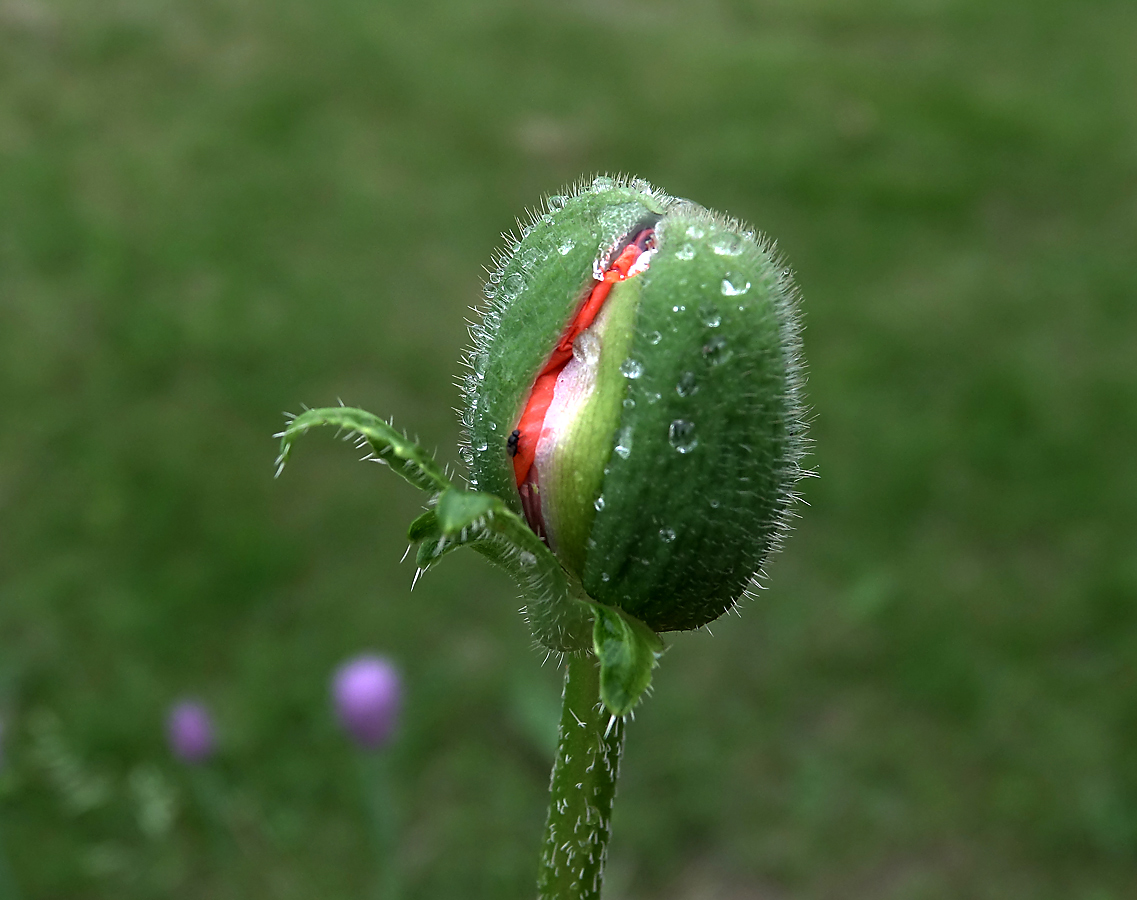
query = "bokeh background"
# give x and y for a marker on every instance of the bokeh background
(213, 211)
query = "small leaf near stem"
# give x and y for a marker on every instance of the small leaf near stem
(583, 788)
(627, 650)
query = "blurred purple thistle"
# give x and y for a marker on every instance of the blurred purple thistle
(367, 694)
(189, 728)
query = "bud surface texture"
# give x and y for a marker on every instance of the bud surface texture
(635, 392)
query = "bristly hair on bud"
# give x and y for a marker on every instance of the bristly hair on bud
(660, 461)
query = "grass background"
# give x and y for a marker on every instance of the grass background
(212, 211)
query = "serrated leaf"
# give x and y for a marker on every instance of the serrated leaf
(458, 510)
(627, 650)
(423, 527)
(560, 618)
(403, 455)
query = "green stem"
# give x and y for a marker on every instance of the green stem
(582, 790)
(375, 778)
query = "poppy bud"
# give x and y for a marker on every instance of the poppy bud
(635, 394)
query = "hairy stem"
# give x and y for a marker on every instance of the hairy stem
(582, 790)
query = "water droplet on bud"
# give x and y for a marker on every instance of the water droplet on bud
(734, 288)
(631, 368)
(710, 316)
(728, 245)
(557, 201)
(695, 231)
(654, 338)
(599, 503)
(565, 246)
(681, 435)
(512, 286)
(667, 535)
(687, 251)
(530, 257)
(687, 385)
(716, 352)
(624, 446)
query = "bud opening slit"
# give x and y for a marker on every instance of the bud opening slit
(629, 258)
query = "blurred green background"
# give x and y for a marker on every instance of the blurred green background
(211, 212)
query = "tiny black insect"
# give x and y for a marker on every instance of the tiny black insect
(511, 443)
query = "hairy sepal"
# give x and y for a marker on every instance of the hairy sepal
(628, 651)
(533, 291)
(712, 429)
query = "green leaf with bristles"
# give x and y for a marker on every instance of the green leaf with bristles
(423, 527)
(628, 650)
(403, 455)
(560, 618)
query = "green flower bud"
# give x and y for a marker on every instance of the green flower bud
(635, 393)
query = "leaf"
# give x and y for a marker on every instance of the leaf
(560, 620)
(458, 510)
(403, 455)
(555, 607)
(628, 650)
(423, 527)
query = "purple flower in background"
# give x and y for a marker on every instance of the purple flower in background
(189, 728)
(367, 694)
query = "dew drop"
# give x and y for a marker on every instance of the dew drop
(710, 316)
(605, 577)
(624, 445)
(527, 559)
(602, 183)
(493, 426)
(716, 352)
(654, 338)
(695, 231)
(687, 385)
(734, 288)
(666, 535)
(681, 435)
(728, 245)
(652, 396)
(680, 308)
(629, 403)
(490, 290)
(557, 201)
(631, 368)
(620, 217)
(687, 251)
(530, 256)
(599, 503)
(481, 446)
(714, 504)
(512, 286)
(565, 246)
